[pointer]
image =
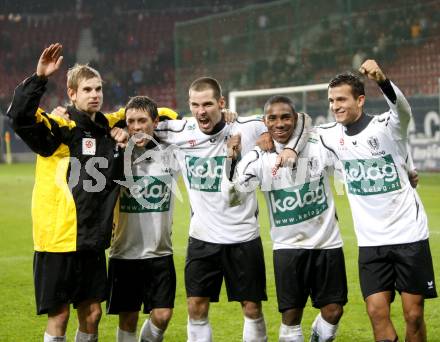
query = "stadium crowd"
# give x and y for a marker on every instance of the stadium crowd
(140, 44)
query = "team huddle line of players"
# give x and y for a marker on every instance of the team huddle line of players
(82, 159)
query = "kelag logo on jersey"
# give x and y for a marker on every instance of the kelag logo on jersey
(151, 194)
(298, 204)
(204, 174)
(371, 176)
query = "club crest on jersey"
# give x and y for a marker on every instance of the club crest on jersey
(371, 176)
(89, 146)
(373, 142)
(192, 142)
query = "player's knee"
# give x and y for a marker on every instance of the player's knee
(414, 317)
(94, 315)
(332, 313)
(161, 317)
(128, 321)
(292, 317)
(60, 317)
(252, 310)
(198, 307)
(377, 312)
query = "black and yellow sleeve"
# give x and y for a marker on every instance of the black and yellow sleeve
(40, 132)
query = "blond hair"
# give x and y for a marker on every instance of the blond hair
(80, 72)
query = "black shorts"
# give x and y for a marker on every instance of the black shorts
(64, 278)
(241, 264)
(151, 282)
(318, 273)
(405, 267)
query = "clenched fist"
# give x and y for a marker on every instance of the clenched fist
(234, 146)
(371, 69)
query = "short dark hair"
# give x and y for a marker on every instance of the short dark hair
(204, 83)
(143, 103)
(354, 81)
(280, 99)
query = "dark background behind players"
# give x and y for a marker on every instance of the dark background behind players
(159, 46)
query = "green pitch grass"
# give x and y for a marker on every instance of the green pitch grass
(18, 321)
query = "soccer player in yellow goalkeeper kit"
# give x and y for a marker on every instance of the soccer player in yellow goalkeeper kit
(73, 197)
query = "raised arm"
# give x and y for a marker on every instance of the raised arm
(50, 60)
(400, 110)
(40, 132)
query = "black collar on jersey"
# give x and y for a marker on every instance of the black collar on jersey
(359, 125)
(84, 121)
(217, 128)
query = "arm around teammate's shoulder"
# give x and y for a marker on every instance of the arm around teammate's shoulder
(301, 133)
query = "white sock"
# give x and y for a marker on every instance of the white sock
(125, 336)
(50, 338)
(199, 330)
(150, 333)
(290, 333)
(322, 331)
(84, 337)
(254, 330)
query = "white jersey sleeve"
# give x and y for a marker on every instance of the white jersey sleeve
(399, 115)
(301, 133)
(246, 177)
(257, 127)
(170, 131)
(409, 160)
(250, 128)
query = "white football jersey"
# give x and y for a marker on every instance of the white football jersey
(143, 224)
(386, 210)
(300, 202)
(201, 158)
